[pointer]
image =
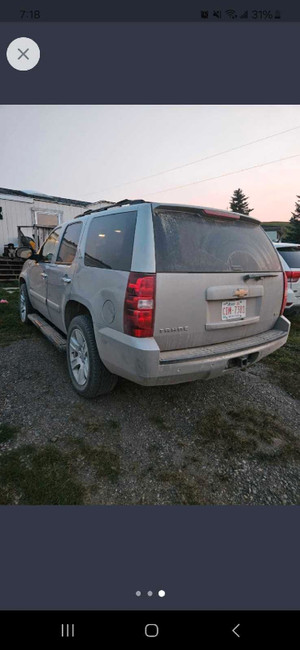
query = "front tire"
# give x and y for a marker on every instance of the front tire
(25, 305)
(88, 374)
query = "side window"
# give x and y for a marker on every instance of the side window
(110, 241)
(49, 248)
(69, 243)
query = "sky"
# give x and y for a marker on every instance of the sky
(109, 152)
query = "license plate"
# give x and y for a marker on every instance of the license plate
(233, 309)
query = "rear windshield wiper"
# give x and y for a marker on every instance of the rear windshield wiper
(258, 276)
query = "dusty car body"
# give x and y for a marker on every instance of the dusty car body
(157, 294)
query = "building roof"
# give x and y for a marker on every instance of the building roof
(45, 197)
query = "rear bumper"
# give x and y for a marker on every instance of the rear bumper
(141, 361)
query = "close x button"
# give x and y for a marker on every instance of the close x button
(23, 54)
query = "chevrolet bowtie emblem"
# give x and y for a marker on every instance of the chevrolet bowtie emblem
(241, 293)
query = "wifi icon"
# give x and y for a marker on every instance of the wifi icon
(231, 13)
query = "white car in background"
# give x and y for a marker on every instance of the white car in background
(290, 258)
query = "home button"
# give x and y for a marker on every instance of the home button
(151, 630)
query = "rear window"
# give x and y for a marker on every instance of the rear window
(187, 242)
(291, 256)
(110, 241)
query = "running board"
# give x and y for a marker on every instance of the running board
(55, 337)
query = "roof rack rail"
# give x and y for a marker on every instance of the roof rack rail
(113, 205)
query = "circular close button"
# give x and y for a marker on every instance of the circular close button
(151, 630)
(23, 54)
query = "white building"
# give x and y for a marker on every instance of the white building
(35, 214)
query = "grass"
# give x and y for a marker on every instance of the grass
(105, 463)
(263, 426)
(93, 426)
(285, 362)
(48, 475)
(247, 431)
(287, 452)
(159, 422)
(96, 425)
(31, 476)
(7, 433)
(188, 490)
(109, 428)
(11, 328)
(215, 427)
(113, 425)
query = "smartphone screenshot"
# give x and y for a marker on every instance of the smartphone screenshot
(149, 323)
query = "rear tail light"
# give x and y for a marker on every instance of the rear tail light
(220, 213)
(293, 276)
(139, 304)
(285, 293)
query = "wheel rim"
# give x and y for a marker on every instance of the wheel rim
(22, 306)
(79, 357)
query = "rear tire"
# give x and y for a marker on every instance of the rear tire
(88, 374)
(25, 305)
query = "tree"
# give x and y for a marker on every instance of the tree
(239, 202)
(293, 230)
(296, 214)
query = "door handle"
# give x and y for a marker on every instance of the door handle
(44, 275)
(66, 279)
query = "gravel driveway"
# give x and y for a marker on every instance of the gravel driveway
(232, 440)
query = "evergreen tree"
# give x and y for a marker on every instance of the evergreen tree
(296, 214)
(293, 230)
(239, 202)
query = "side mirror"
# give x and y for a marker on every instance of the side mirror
(24, 253)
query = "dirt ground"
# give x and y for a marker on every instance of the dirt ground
(232, 440)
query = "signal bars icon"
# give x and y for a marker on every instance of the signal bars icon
(67, 630)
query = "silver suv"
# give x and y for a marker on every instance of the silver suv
(156, 293)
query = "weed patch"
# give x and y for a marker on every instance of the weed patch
(7, 433)
(187, 490)
(159, 422)
(11, 327)
(38, 477)
(106, 463)
(285, 362)
(246, 431)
